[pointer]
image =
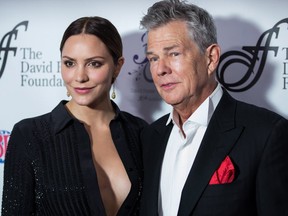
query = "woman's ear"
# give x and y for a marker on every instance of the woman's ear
(118, 67)
(213, 57)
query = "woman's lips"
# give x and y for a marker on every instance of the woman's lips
(82, 90)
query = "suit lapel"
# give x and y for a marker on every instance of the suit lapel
(219, 139)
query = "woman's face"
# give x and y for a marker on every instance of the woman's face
(87, 69)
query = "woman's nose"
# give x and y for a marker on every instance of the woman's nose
(81, 75)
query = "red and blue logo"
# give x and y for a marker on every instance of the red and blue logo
(4, 138)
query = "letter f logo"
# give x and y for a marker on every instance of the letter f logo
(5, 48)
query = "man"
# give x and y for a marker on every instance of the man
(212, 155)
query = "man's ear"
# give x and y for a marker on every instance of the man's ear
(213, 57)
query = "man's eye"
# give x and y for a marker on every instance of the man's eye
(152, 59)
(174, 54)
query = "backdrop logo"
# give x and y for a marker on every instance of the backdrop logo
(253, 60)
(144, 89)
(4, 138)
(5, 45)
(143, 64)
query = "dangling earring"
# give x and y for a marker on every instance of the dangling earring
(68, 94)
(113, 95)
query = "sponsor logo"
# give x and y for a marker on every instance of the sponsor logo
(35, 70)
(4, 138)
(5, 45)
(252, 60)
(145, 90)
(143, 64)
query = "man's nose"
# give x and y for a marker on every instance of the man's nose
(163, 67)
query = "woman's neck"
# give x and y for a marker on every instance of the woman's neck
(92, 116)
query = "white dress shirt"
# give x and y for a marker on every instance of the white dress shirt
(181, 151)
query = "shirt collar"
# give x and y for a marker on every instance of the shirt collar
(203, 113)
(61, 116)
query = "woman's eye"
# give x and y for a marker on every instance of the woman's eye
(95, 64)
(68, 63)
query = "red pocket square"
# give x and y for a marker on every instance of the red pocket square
(225, 173)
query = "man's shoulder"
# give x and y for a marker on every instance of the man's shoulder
(252, 111)
(157, 126)
(248, 111)
(254, 116)
(160, 121)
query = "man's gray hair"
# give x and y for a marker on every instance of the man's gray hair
(199, 22)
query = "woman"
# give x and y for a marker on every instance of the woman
(83, 158)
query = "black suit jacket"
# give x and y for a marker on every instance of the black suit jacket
(256, 141)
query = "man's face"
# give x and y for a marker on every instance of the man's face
(179, 70)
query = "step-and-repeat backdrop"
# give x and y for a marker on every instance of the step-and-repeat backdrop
(253, 67)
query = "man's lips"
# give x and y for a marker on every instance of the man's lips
(168, 86)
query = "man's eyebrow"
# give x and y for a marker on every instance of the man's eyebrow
(165, 49)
